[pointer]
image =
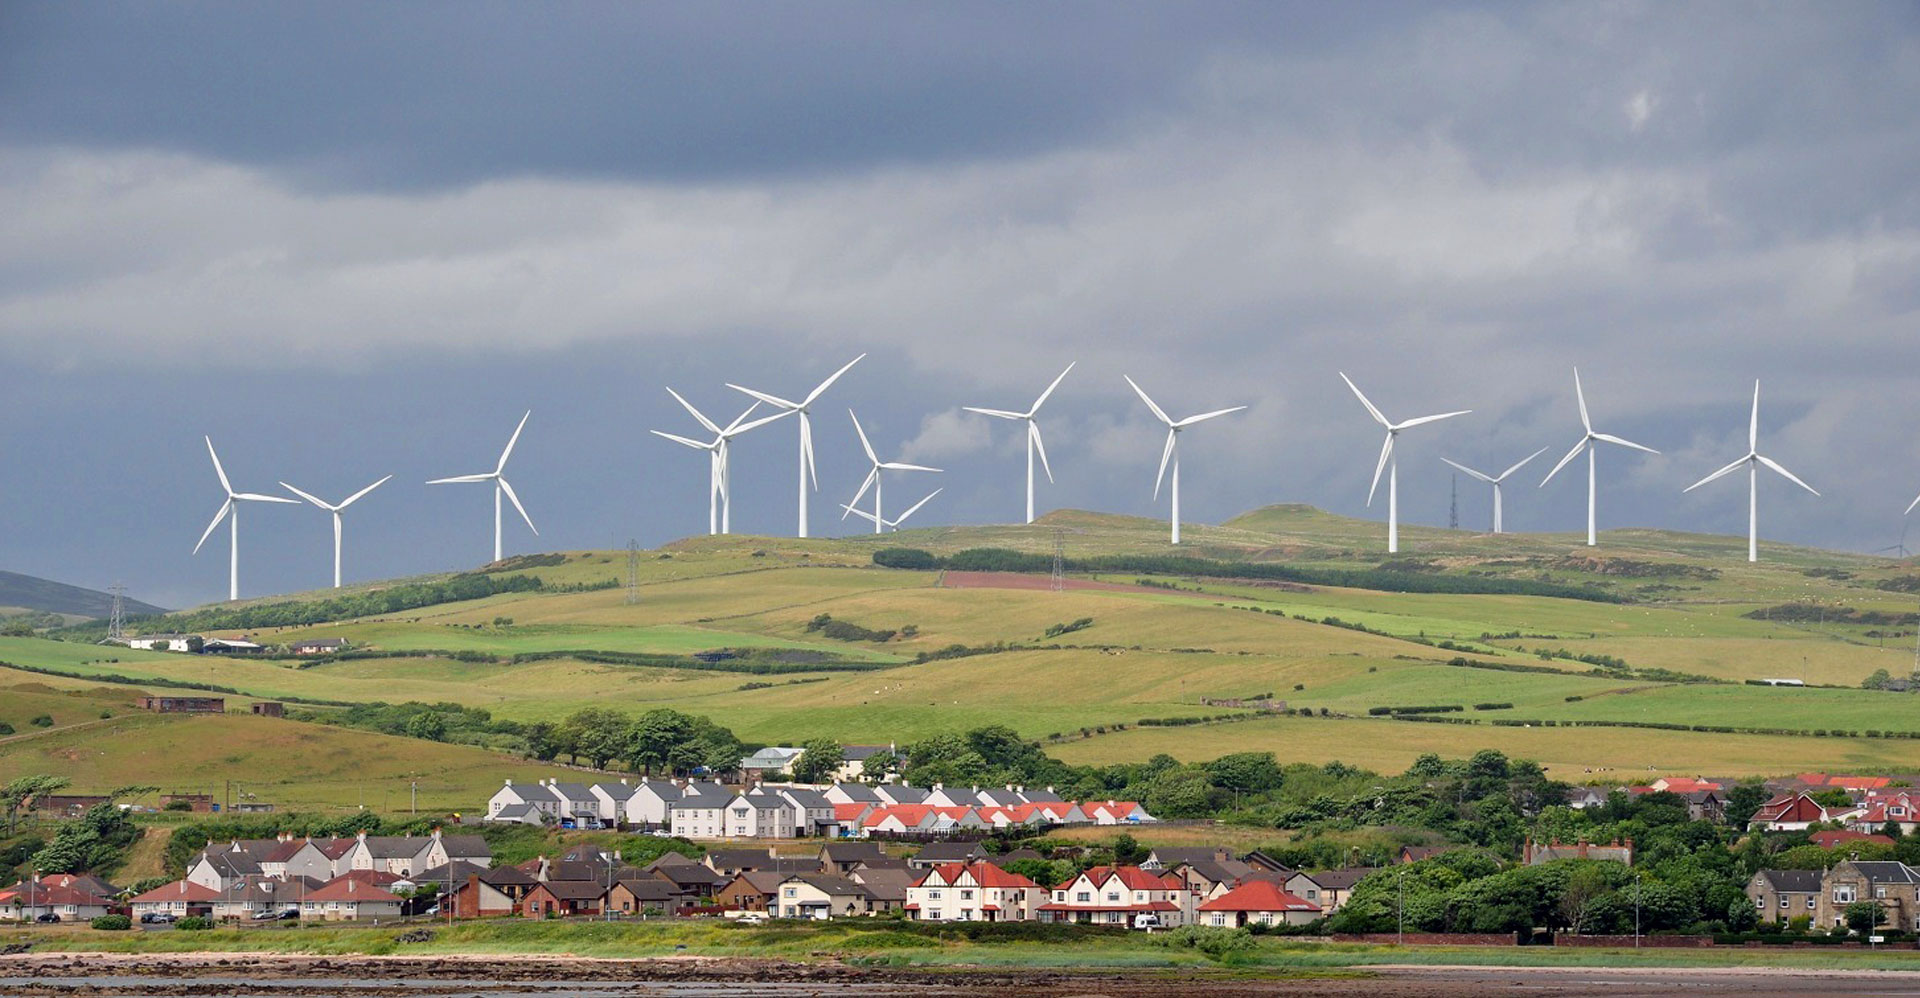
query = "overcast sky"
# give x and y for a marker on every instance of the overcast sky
(348, 242)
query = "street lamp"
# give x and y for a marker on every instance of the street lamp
(1636, 909)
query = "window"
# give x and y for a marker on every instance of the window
(790, 892)
(1113, 895)
(1313, 895)
(933, 895)
(1880, 892)
(1084, 897)
(1810, 902)
(966, 895)
(1783, 901)
(1843, 895)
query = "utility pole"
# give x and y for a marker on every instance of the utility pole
(633, 571)
(1636, 909)
(117, 623)
(1453, 506)
(1401, 879)
(1060, 562)
(413, 796)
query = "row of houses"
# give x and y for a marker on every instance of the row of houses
(707, 810)
(194, 643)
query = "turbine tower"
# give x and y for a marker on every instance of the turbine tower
(1390, 462)
(1033, 435)
(1495, 480)
(335, 510)
(719, 464)
(893, 524)
(500, 485)
(1172, 450)
(873, 478)
(804, 409)
(1591, 444)
(1753, 461)
(230, 511)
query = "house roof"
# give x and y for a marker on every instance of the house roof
(179, 890)
(86, 882)
(230, 864)
(649, 889)
(861, 753)
(1259, 895)
(704, 800)
(900, 793)
(572, 792)
(1793, 881)
(1133, 877)
(671, 859)
(984, 874)
(948, 852)
(574, 890)
(857, 793)
(806, 797)
(458, 846)
(515, 811)
(34, 894)
(1219, 872)
(455, 873)
(1887, 872)
(1827, 840)
(1340, 880)
(1790, 808)
(740, 859)
(760, 881)
(348, 889)
(831, 883)
(851, 852)
(507, 876)
(1171, 856)
(394, 846)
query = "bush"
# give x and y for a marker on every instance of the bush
(193, 923)
(43, 721)
(177, 805)
(112, 923)
(912, 558)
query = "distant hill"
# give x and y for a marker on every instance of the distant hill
(46, 596)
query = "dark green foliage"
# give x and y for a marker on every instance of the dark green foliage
(95, 842)
(908, 558)
(1444, 708)
(1815, 613)
(843, 630)
(392, 599)
(193, 923)
(1493, 706)
(820, 760)
(42, 721)
(1079, 625)
(112, 923)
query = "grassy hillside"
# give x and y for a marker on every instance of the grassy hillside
(25, 592)
(1155, 646)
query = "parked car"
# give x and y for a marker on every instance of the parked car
(48, 917)
(286, 913)
(158, 917)
(1146, 921)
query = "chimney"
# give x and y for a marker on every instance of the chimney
(509, 781)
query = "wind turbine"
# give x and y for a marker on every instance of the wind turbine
(1033, 435)
(1495, 480)
(1753, 461)
(720, 469)
(803, 407)
(893, 524)
(1390, 462)
(1172, 450)
(873, 478)
(1589, 443)
(230, 510)
(500, 484)
(335, 510)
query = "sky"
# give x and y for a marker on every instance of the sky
(348, 241)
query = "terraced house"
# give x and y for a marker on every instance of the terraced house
(973, 892)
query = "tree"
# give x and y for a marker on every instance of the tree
(23, 789)
(598, 734)
(654, 736)
(543, 740)
(1246, 772)
(1862, 916)
(1833, 797)
(196, 644)
(874, 768)
(1585, 885)
(820, 758)
(1127, 851)
(1741, 915)
(429, 725)
(97, 841)
(1743, 800)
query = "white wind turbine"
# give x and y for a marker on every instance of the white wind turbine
(804, 408)
(1753, 461)
(230, 510)
(1590, 443)
(1172, 450)
(499, 479)
(719, 464)
(873, 479)
(1033, 435)
(335, 510)
(893, 524)
(1495, 480)
(1389, 461)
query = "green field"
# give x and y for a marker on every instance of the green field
(1148, 653)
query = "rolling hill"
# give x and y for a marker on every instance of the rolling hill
(27, 593)
(1635, 655)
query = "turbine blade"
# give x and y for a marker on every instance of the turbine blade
(774, 400)
(1517, 467)
(507, 487)
(1575, 452)
(1040, 447)
(1729, 469)
(1165, 453)
(257, 497)
(902, 518)
(734, 431)
(1915, 502)
(502, 466)
(358, 494)
(898, 466)
(323, 504)
(1203, 417)
(465, 478)
(1386, 451)
(856, 511)
(222, 472)
(1581, 395)
(697, 414)
(1753, 426)
(1371, 408)
(1143, 397)
(864, 486)
(1791, 477)
(864, 444)
(695, 444)
(806, 449)
(1431, 419)
(1002, 413)
(824, 385)
(1042, 400)
(1485, 478)
(1610, 438)
(734, 427)
(217, 517)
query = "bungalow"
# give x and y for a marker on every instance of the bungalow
(1781, 895)
(478, 899)
(1258, 902)
(821, 896)
(774, 760)
(1106, 895)
(1329, 889)
(1790, 813)
(249, 897)
(1124, 812)
(348, 899)
(647, 895)
(165, 642)
(851, 819)
(753, 890)
(231, 646)
(31, 899)
(561, 898)
(179, 899)
(901, 819)
(318, 646)
(886, 886)
(842, 857)
(973, 892)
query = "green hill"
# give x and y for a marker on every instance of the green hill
(1648, 670)
(35, 595)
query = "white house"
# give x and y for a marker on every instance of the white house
(162, 642)
(973, 892)
(700, 814)
(528, 804)
(647, 805)
(774, 760)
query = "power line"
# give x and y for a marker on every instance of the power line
(117, 622)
